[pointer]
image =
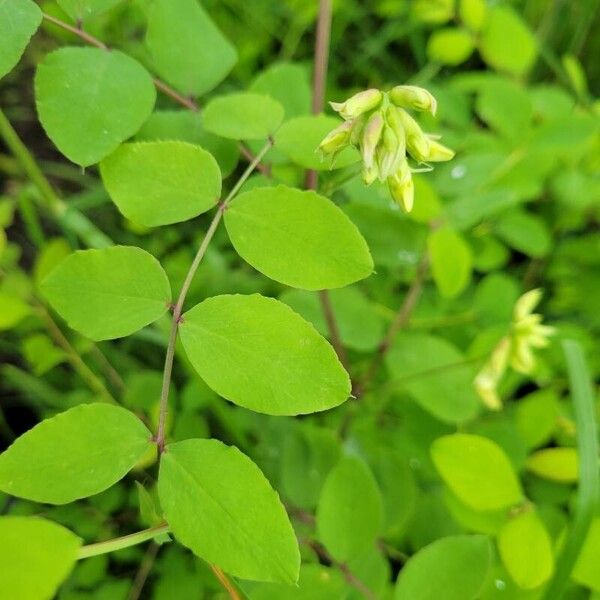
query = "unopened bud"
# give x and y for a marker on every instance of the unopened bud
(370, 138)
(390, 153)
(526, 303)
(417, 142)
(335, 141)
(438, 152)
(358, 104)
(402, 188)
(411, 96)
(486, 381)
(370, 174)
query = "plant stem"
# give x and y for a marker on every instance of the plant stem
(178, 308)
(166, 89)
(69, 218)
(122, 542)
(81, 368)
(226, 583)
(400, 320)
(589, 479)
(321, 61)
(143, 571)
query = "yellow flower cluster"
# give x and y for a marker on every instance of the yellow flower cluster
(378, 124)
(515, 349)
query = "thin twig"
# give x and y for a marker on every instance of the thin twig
(178, 308)
(349, 576)
(401, 320)
(332, 326)
(166, 89)
(226, 583)
(143, 571)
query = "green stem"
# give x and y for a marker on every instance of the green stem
(119, 543)
(589, 477)
(72, 220)
(178, 309)
(31, 219)
(87, 375)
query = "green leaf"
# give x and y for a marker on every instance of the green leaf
(506, 42)
(316, 583)
(435, 373)
(556, 464)
(537, 417)
(307, 456)
(477, 471)
(186, 125)
(451, 261)
(350, 511)
(586, 570)
(473, 13)
(450, 46)
(75, 454)
(187, 49)
(298, 138)
(19, 20)
(80, 10)
(287, 83)
(36, 557)
(109, 293)
(506, 107)
(299, 238)
(159, 183)
(90, 100)
(525, 232)
(526, 550)
(12, 311)
(361, 327)
(220, 505)
(452, 568)
(261, 355)
(243, 116)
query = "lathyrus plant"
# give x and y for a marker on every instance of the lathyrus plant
(378, 124)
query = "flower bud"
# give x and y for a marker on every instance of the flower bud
(335, 141)
(370, 174)
(402, 188)
(411, 96)
(370, 138)
(486, 381)
(358, 104)
(438, 152)
(526, 303)
(416, 141)
(390, 154)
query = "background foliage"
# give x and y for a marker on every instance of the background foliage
(391, 494)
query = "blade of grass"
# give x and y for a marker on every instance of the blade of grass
(589, 477)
